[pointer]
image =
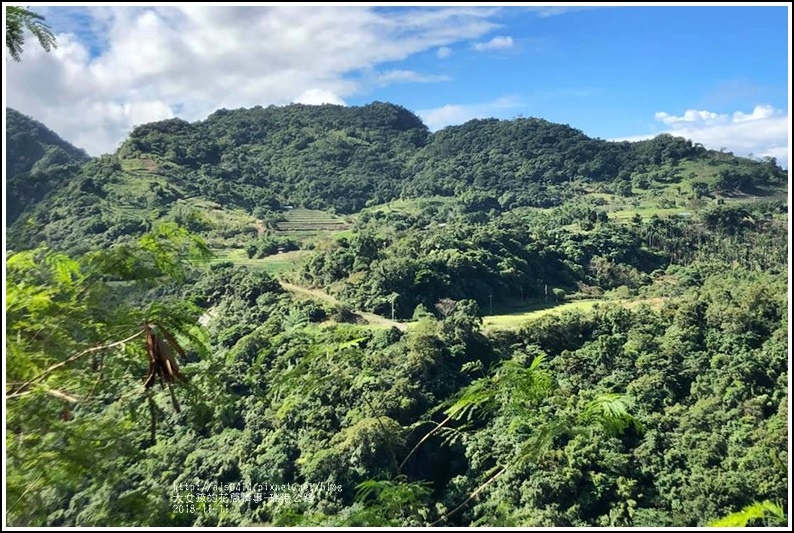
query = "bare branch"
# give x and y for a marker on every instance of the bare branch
(471, 497)
(51, 392)
(429, 434)
(73, 358)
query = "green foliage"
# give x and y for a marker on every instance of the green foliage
(390, 503)
(502, 264)
(32, 147)
(611, 411)
(76, 357)
(276, 156)
(242, 172)
(663, 402)
(19, 19)
(440, 425)
(265, 246)
(768, 513)
(224, 280)
(37, 162)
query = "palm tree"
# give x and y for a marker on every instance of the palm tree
(17, 20)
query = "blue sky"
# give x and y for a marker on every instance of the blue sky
(718, 75)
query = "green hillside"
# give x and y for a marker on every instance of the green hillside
(259, 163)
(37, 161)
(327, 316)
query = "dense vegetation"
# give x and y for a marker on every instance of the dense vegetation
(151, 385)
(36, 162)
(535, 255)
(254, 162)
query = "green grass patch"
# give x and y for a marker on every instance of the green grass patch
(272, 264)
(517, 319)
(647, 212)
(131, 165)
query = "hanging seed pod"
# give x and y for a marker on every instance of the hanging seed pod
(162, 365)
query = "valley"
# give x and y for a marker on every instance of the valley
(504, 322)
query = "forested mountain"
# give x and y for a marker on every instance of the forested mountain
(316, 156)
(343, 159)
(37, 161)
(32, 147)
(329, 316)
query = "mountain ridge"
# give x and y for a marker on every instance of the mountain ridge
(37, 161)
(343, 159)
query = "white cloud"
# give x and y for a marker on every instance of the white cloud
(553, 11)
(497, 43)
(690, 115)
(760, 112)
(130, 65)
(444, 52)
(405, 76)
(452, 114)
(762, 132)
(318, 97)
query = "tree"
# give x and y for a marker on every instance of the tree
(76, 379)
(623, 189)
(700, 188)
(18, 19)
(559, 294)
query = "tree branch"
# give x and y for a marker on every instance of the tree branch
(382, 428)
(73, 358)
(429, 434)
(51, 392)
(471, 497)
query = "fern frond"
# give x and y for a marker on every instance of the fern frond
(611, 411)
(765, 510)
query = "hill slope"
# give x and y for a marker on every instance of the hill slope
(652, 391)
(237, 168)
(37, 161)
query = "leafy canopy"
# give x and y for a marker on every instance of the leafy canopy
(19, 19)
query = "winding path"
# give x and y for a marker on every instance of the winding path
(318, 294)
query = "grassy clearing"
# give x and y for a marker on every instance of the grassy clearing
(373, 320)
(648, 211)
(228, 220)
(517, 319)
(669, 192)
(272, 264)
(701, 170)
(344, 234)
(200, 203)
(381, 322)
(313, 294)
(134, 165)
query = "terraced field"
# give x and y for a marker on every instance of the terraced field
(272, 264)
(299, 224)
(302, 222)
